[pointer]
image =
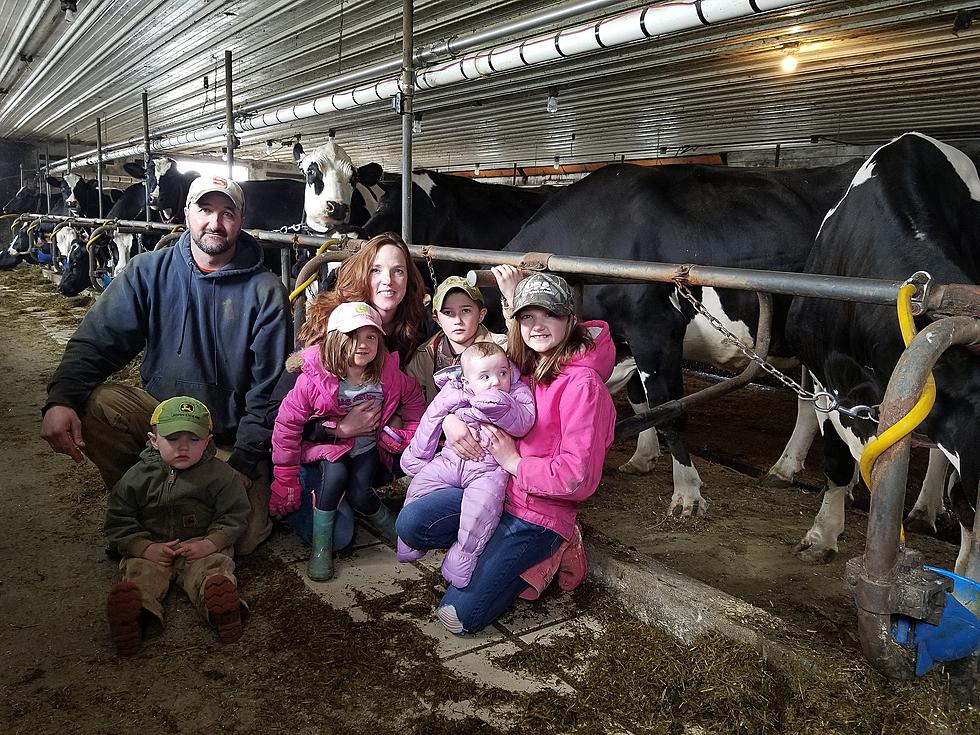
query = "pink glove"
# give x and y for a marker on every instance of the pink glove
(286, 491)
(389, 443)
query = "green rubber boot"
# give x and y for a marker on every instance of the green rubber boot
(320, 566)
(382, 522)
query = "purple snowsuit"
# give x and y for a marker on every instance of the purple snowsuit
(484, 482)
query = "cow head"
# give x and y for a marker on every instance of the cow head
(81, 196)
(330, 179)
(168, 187)
(25, 200)
(75, 277)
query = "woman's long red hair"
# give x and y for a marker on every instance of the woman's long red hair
(402, 335)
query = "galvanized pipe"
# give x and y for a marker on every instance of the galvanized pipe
(407, 91)
(423, 57)
(47, 172)
(68, 153)
(888, 480)
(21, 175)
(229, 117)
(147, 160)
(640, 24)
(284, 265)
(98, 165)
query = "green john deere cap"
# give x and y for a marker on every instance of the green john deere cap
(182, 413)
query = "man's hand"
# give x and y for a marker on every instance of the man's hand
(62, 429)
(362, 420)
(194, 550)
(163, 553)
(461, 439)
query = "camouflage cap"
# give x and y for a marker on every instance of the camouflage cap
(455, 283)
(546, 290)
(181, 413)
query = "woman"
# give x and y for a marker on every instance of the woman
(553, 469)
(382, 274)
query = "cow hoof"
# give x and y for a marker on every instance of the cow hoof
(697, 509)
(919, 521)
(774, 480)
(635, 469)
(811, 554)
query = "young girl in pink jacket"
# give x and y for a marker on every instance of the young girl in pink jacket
(349, 367)
(553, 469)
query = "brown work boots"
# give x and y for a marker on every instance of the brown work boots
(124, 609)
(224, 607)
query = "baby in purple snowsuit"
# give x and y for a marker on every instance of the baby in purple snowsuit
(489, 392)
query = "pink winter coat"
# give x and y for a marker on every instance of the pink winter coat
(484, 482)
(315, 396)
(562, 455)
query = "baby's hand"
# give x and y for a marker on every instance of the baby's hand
(162, 553)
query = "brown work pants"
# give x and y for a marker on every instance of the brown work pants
(114, 428)
(154, 579)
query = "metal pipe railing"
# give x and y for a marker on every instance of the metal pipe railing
(880, 585)
(955, 299)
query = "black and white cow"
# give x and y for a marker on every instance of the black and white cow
(337, 192)
(81, 196)
(914, 205)
(168, 188)
(708, 215)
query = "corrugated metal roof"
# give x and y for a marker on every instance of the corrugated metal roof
(867, 71)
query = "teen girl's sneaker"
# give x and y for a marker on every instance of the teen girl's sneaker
(124, 609)
(224, 607)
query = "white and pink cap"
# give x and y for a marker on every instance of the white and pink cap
(352, 316)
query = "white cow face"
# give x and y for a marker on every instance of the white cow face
(124, 247)
(65, 239)
(160, 168)
(329, 177)
(71, 193)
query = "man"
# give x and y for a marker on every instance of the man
(212, 324)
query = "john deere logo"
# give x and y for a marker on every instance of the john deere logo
(361, 308)
(186, 408)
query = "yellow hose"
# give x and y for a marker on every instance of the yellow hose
(919, 411)
(309, 281)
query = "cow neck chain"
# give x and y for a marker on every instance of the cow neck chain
(823, 401)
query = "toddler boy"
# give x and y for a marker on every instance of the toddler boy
(176, 515)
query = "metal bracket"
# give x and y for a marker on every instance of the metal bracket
(399, 102)
(911, 591)
(922, 280)
(535, 261)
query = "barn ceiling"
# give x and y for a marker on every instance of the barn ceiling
(867, 71)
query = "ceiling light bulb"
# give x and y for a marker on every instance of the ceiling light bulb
(417, 123)
(557, 162)
(789, 63)
(476, 170)
(268, 148)
(552, 104)
(224, 154)
(70, 9)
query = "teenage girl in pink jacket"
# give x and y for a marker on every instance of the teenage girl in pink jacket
(553, 469)
(351, 366)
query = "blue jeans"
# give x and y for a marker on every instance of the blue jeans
(432, 522)
(311, 479)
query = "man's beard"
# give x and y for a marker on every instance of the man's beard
(213, 248)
